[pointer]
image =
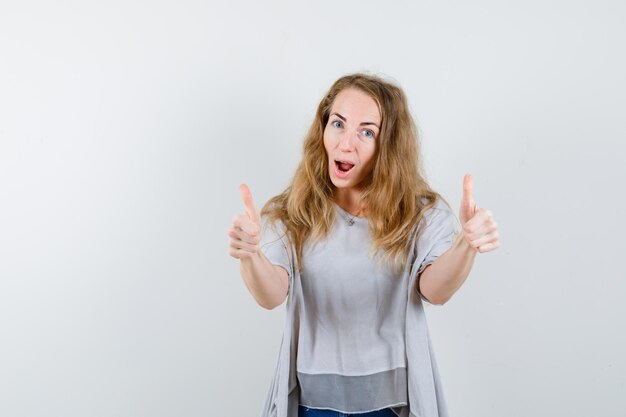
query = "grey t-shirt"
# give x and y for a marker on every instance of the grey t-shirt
(351, 309)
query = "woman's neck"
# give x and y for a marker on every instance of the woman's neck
(350, 201)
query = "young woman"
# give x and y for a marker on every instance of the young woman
(356, 244)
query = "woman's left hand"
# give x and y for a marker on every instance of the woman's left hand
(479, 228)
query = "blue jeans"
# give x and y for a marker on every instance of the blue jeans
(304, 411)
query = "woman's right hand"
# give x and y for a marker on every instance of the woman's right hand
(245, 232)
(268, 283)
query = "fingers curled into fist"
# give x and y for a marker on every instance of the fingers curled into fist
(245, 233)
(479, 228)
(481, 231)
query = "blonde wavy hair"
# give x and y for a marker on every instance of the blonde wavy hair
(392, 192)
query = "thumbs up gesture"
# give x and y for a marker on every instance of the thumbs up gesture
(245, 233)
(479, 228)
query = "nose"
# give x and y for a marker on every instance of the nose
(347, 140)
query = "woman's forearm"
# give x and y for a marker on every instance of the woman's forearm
(267, 282)
(440, 280)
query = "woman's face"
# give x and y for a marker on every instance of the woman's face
(350, 138)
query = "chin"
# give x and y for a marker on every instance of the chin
(342, 183)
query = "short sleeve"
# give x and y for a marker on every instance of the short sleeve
(275, 244)
(436, 236)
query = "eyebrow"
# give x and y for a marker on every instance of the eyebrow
(362, 124)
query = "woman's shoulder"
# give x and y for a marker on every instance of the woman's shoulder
(269, 225)
(440, 207)
(273, 230)
(440, 218)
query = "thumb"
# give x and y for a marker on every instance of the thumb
(246, 196)
(468, 206)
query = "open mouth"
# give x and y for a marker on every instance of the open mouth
(343, 166)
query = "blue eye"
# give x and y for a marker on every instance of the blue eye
(368, 133)
(337, 124)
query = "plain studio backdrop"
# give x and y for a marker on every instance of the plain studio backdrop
(126, 128)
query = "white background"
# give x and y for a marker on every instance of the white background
(126, 127)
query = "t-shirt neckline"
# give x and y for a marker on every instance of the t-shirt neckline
(347, 216)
